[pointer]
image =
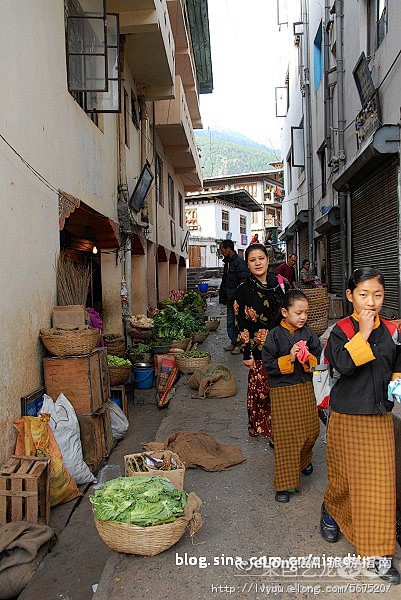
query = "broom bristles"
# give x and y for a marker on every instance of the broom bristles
(72, 281)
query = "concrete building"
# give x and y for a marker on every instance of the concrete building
(268, 191)
(97, 153)
(341, 139)
(215, 216)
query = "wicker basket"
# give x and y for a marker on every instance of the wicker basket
(189, 365)
(119, 375)
(183, 344)
(318, 314)
(149, 541)
(213, 324)
(115, 345)
(198, 338)
(70, 343)
(139, 334)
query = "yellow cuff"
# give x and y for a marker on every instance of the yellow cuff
(360, 351)
(285, 365)
(395, 376)
(310, 363)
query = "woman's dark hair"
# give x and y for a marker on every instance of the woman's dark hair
(255, 247)
(363, 274)
(305, 260)
(291, 296)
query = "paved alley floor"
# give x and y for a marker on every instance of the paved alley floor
(241, 520)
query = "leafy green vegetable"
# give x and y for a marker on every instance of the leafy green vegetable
(140, 501)
(193, 354)
(116, 361)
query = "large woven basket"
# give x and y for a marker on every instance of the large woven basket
(149, 541)
(115, 345)
(189, 365)
(60, 342)
(198, 338)
(139, 334)
(212, 324)
(119, 375)
(318, 314)
(183, 344)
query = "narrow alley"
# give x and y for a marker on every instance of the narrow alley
(241, 520)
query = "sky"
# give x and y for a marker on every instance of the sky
(248, 62)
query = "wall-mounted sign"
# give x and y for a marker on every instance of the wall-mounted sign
(244, 240)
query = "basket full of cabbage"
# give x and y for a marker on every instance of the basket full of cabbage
(144, 515)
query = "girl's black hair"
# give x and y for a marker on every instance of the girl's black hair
(363, 274)
(255, 247)
(305, 260)
(291, 296)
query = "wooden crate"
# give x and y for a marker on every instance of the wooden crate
(96, 437)
(118, 392)
(25, 490)
(84, 380)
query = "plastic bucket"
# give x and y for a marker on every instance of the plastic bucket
(203, 287)
(143, 378)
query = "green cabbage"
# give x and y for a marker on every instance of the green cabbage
(140, 501)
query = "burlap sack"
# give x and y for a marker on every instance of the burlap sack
(215, 381)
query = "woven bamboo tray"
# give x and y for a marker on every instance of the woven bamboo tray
(198, 338)
(149, 541)
(212, 324)
(70, 343)
(189, 365)
(119, 375)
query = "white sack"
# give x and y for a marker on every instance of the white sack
(119, 422)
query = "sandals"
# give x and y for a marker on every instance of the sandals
(252, 431)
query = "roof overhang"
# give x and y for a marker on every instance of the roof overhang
(239, 198)
(84, 221)
(289, 231)
(383, 143)
(329, 222)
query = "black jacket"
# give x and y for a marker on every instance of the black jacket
(278, 344)
(256, 309)
(363, 390)
(235, 271)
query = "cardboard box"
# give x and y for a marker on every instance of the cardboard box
(25, 490)
(69, 317)
(176, 476)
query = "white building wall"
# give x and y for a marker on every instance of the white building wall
(43, 124)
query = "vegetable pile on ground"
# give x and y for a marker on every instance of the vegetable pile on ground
(171, 324)
(115, 361)
(192, 299)
(194, 354)
(140, 501)
(138, 350)
(141, 321)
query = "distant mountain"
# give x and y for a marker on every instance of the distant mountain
(231, 153)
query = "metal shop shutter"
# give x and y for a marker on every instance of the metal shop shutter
(334, 264)
(375, 241)
(303, 243)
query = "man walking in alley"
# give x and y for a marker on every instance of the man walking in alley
(287, 271)
(235, 271)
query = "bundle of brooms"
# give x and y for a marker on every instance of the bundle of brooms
(73, 281)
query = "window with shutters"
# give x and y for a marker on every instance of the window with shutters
(92, 53)
(242, 224)
(225, 220)
(171, 207)
(159, 180)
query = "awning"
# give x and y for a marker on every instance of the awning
(289, 231)
(329, 222)
(384, 142)
(86, 222)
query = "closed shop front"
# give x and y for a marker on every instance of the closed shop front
(303, 243)
(334, 264)
(375, 237)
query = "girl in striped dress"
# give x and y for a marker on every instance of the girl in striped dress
(289, 353)
(360, 499)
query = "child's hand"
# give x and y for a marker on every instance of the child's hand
(293, 352)
(366, 323)
(250, 363)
